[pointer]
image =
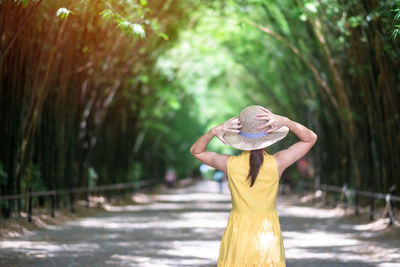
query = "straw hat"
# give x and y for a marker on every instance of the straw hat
(251, 138)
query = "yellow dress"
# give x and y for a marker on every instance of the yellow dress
(253, 235)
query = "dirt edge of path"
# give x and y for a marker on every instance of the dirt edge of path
(380, 225)
(19, 226)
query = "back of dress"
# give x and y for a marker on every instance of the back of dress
(253, 234)
(260, 198)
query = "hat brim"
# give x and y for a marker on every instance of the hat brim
(244, 143)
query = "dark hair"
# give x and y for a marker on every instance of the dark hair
(256, 160)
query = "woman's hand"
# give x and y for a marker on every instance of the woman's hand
(273, 121)
(218, 161)
(232, 126)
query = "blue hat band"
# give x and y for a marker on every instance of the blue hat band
(253, 135)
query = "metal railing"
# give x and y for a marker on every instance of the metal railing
(345, 192)
(134, 186)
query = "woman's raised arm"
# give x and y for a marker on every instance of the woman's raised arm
(287, 157)
(215, 160)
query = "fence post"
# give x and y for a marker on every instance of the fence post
(356, 201)
(71, 200)
(343, 196)
(372, 204)
(325, 194)
(30, 205)
(122, 193)
(1, 206)
(136, 186)
(389, 203)
(53, 204)
(87, 197)
(392, 188)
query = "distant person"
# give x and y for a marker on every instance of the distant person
(304, 168)
(204, 168)
(219, 178)
(170, 178)
(253, 235)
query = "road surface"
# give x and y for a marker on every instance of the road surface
(183, 227)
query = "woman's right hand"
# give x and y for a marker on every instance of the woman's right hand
(232, 126)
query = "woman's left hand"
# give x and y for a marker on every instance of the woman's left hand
(273, 121)
(232, 126)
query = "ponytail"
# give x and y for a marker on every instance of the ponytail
(256, 160)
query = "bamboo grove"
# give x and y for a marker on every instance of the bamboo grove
(347, 50)
(338, 64)
(106, 91)
(80, 100)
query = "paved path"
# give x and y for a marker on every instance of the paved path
(184, 227)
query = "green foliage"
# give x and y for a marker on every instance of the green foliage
(104, 113)
(311, 6)
(63, 12)
(133, 28)
(136, 172)
(107, 14)
(33, 178)
(116, 108)
(23, 3)
(134, 19)
(396, 31)
(227, 64)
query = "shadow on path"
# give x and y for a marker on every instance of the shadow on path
(183, 227)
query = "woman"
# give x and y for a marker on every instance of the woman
(253, 235)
